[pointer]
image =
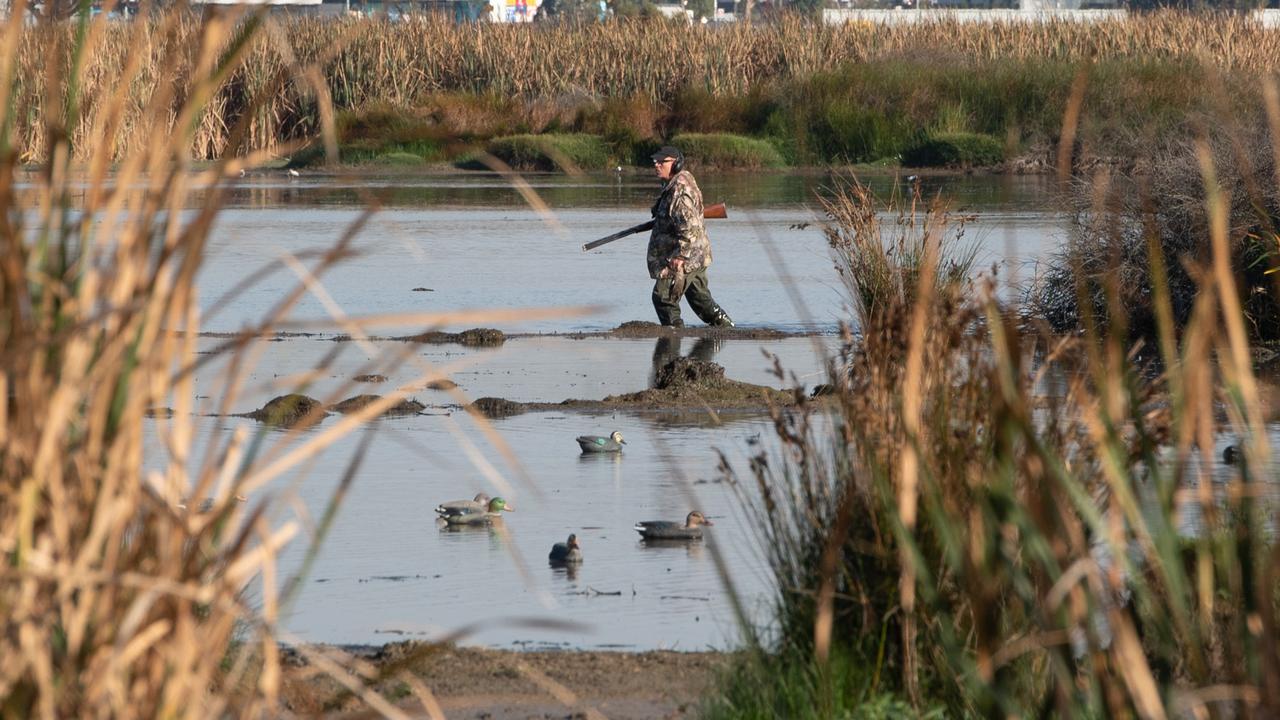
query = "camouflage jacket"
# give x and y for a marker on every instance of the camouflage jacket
(677, 227)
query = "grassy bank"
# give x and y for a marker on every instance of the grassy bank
(816, 94)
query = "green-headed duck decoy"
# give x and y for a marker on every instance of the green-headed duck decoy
(667, 530)
(595, 443)
(453, 507)
(566, 553)
(492, 512)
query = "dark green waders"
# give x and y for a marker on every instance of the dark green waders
(696, 291)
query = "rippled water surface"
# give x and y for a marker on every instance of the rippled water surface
(445, 243)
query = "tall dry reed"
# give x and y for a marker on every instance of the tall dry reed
(359, 62)
(992, 521)
(140, 579)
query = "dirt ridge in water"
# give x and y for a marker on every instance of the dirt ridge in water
(682, 384)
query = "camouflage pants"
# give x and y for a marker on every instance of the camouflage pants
(697, 292)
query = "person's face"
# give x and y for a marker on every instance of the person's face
(663, 168)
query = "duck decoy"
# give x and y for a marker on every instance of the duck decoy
(1231, 455)
(492, 511)
(668, 530)
(204, 505)
(566, 553)
(595, 443)
(453, 507)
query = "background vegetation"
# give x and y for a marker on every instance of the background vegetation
(818, 93)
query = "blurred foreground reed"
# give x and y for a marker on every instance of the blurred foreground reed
(983, 519)
(143, 586)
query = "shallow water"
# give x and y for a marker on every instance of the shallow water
(386, 571)
(448, 243)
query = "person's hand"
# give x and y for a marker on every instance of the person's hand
(677, 264)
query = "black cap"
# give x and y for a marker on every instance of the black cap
(666, 151)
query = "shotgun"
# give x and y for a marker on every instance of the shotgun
(715, 212)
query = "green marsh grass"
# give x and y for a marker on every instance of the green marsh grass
(946, 529)
(955, 150)
(722, 150)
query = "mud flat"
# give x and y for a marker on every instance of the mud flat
(511, 685)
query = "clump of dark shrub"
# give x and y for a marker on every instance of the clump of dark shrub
(551, 152)
(1107, 264)
(954, 150)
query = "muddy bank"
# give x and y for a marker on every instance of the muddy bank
(490, 337)
(646, 329)
(408, 406)
(474, 337)
(296, 411)
(510, 685)
(682, 384)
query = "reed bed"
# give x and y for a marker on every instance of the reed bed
(142, 579)
(949, 533)
(557, 67)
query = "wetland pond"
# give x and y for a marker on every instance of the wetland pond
(443, 243)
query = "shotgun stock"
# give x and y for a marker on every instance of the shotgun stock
(710, 212)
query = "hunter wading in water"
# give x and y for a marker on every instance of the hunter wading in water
(679, 251)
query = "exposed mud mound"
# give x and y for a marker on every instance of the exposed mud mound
(638, 328)
(445, 384)
(370, 378)
(290, 411)
(688, 371)
(688, 383)
(475, 337)
(683, 384)
(493, 407)
(404, 407)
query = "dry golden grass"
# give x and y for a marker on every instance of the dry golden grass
(123, 590)
(356, 62)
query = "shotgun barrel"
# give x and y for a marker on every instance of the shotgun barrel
(714, 212)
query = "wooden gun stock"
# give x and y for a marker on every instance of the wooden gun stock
(715, 212)
(710, 212)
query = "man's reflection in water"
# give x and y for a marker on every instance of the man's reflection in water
(668, 348)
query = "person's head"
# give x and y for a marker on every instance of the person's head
(667, 162)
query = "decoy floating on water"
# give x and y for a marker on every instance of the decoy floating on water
(492, 511)
(595, 443)
(453, 507)
(566, 553)
(668, 530)
(1231, 455)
